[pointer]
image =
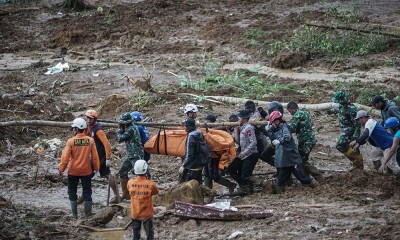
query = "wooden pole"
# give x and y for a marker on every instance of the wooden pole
(315, 107)
(148, 124)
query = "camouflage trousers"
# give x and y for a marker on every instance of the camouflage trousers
(343, 142)
(126, 166)
(305, 149)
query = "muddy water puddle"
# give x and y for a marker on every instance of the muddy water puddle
(110, 235)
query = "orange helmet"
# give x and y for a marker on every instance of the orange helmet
(275, 115)
(91, 113)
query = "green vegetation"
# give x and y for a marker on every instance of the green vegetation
(334, 43)
(109, 19)
(254, 33)
(252, 84)
(140, 99)
(353, 16)
(253, 36)
(241, 83)
(390, 63)
(105, 64)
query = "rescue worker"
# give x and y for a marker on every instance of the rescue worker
(275, 106)
(212, 172)
(77, 153)
(388, 108)
(242, 167)
(143, 130)
(210, 118)
(128, 133)
(192, 162)
(349, 130)
(262, 142)
(301, 125)
(287, 157)
(268, 154)
(191, 110)
(251, 106)
(392, 124)
(95, 130)
(141, 191)
(231, 130)
(378, 137)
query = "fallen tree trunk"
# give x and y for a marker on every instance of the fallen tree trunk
(189, 210)
(316, 107)
(44, 123)
(147, 124)
(9, 12)
(230, 100)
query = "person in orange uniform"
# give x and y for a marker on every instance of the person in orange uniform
(95, 130)
(76, 154)
(141, 191)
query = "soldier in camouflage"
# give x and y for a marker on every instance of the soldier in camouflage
(301, 125)
(349, 129)
(129, 133)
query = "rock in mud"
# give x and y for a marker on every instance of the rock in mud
(287, 59)
(102, 217)
(190, 192)
(20, 153)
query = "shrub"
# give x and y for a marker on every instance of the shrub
(336, 43)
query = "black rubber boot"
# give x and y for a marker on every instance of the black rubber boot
(124, 187)
(74, 209)
(225, 182)
(278, 189)
(208, 182)
(314, 183)
(87, 206)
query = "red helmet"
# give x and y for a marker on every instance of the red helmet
(91, 113)
(275, 115)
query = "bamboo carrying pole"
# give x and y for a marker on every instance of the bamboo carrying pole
(147, 124)
(315, 107)
(231, 100)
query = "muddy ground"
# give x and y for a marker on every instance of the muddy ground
(159, 40)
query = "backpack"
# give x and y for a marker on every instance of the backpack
(205, 149)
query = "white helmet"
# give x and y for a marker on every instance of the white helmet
(140, 167)
(79, 123)
(190, 108)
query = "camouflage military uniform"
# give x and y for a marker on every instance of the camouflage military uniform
(302, 126)
(349, 129)
(134, 148)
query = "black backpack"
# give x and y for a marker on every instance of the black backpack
(205, 149)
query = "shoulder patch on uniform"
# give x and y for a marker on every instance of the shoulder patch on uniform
(249, 132)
